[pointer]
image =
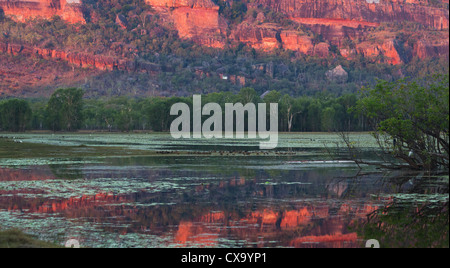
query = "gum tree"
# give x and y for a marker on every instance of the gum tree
(15, 115)
(64, 110)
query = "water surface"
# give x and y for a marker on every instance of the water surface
(217, 193)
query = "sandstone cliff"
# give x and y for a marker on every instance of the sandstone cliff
(198, 20)
(338, 20)
(337, 30)
(333, 20)
(207, 4)
(81, 60)
(432, 48)
(21, 10)
(361, 11)
(263, 37)
(329, 24)
(295, 41)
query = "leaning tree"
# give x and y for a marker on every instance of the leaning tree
(411, 121)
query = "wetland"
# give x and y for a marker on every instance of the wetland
(149, 190)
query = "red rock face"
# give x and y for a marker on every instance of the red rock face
(338, 20)
(390, 52)
(337, 30)
(373, 11)
(72, 13)
(334, 20)
(202, 25)
(263, 37)
(198, 20)
(21, 10)
(432, 48)
(295, 41)
(82, 60)
(207, 4)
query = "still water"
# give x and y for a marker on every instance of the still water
(219, 194)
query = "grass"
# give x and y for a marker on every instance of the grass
(15, 238)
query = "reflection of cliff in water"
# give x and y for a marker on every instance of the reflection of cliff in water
(250, 209)
(296, 208)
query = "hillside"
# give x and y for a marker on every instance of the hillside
(180, 47)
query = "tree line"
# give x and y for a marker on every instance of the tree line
(67, 110)
(409, 118)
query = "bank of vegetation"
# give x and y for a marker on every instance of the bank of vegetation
(66, 110)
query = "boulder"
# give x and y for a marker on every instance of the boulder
(337, 75)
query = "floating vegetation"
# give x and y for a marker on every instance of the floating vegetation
(164, 142)
(58, 230)
(44, 162)
(82, 187)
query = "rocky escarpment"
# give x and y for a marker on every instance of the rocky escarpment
(374, 11)
(81, 60)
(198, 20)
(337, 21)
(21, 10)
(382, 47)
(323, 28)
(337, 30)
(387, 48)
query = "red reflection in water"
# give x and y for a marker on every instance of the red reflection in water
(337, 240)
(321, 223)
(18, 200)
(260, 226)
(79, 202)
(196, 234)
